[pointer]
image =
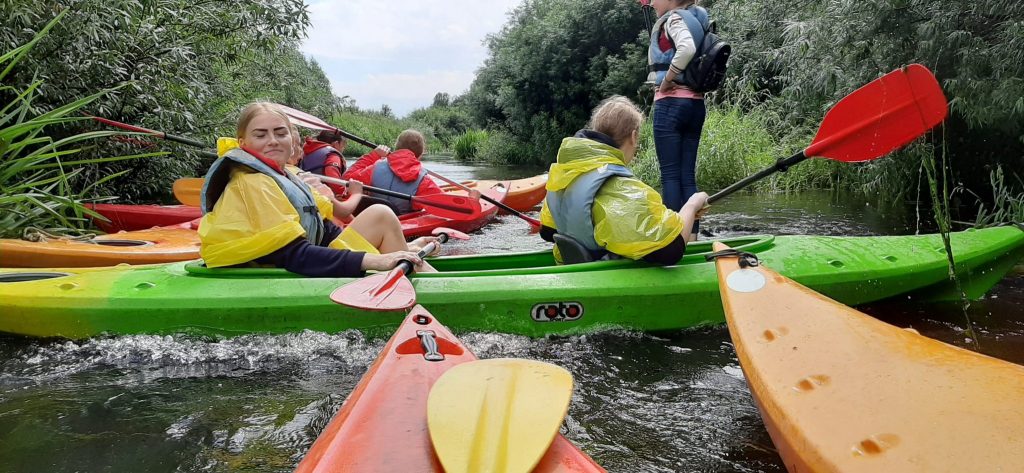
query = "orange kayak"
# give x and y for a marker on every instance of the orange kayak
(383, 424)
(156, 245)
(840, 391)
(523, 194)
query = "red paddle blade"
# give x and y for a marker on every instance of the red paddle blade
(379, 292)
(882, 116)
(455, 207)
(304, 119)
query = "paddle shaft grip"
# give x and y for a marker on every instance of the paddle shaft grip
(407, 265)
(780, 165)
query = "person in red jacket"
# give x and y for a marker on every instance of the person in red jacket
(324, 156)
(400, 171)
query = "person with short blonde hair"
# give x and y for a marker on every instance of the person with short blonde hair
(257, 211)
(399, 170)
(594, 199)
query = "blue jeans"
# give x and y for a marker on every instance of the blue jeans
(677, 126)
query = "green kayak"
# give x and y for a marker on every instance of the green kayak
(520, 293)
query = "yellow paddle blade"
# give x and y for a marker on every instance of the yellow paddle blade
(497, 415)
(187, 190)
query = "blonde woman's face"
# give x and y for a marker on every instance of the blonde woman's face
(268, 134)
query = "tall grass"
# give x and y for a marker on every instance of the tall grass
(36, 174)
(468, 145)
(380, 129)
(1007, 205)
(735, 144)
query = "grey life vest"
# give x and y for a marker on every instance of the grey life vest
(298, 193)
(573, 207)
(385, 178)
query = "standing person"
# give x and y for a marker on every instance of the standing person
(255, 210)
(324, 156)
(679, 112)
(399, 171)
(593, 198)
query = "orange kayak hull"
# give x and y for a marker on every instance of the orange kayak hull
(523, 194)
(841, 391)
(156, 245)
(383, 424)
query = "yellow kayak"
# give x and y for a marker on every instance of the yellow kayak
(840, 391)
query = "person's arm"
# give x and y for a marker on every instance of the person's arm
(344, 209)
(690, 212)
(333, 167)
(677, 30)
(364, 166)
(301, 257)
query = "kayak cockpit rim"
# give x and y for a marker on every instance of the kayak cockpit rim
(514, 263)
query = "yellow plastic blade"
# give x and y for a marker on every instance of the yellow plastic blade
(187, 190)
(497, 415)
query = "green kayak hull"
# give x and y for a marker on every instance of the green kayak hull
(519, 293)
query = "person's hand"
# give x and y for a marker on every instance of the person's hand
(387, 261)
(698, 204)
(354, 188)
(667, 86)
(382, 150)
(474, 194)
(421, 242)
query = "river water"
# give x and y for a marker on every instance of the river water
(667, 403)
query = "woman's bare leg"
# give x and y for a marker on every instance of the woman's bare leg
(379, 225)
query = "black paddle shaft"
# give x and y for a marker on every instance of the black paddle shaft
(407, 265)
(782, 164)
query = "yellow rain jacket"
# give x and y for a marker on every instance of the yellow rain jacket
(629, 217)
(253, 218)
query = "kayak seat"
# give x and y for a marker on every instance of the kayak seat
(572, 250)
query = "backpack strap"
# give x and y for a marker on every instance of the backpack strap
(697, 26)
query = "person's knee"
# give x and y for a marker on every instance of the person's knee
(381, 213)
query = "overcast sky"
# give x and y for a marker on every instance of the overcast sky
(401, 52)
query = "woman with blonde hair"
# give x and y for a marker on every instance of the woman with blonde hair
(593, 198)
(255, 210)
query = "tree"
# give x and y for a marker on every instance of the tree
(165, 53)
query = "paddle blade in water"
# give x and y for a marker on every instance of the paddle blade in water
(380, 292)
(497, 415)
(455, 207)
(880, 117)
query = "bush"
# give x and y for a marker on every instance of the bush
(35, 174)
(467, 146)
(502, 147)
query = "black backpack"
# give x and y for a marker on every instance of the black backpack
(706, 70)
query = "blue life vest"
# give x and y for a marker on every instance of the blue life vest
(316, 161)
(385, 178)
(697, 22)
(573, 207)
(299, 194)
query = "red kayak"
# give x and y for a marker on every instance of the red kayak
(142, 217)
(383, 424)
(421, 223)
